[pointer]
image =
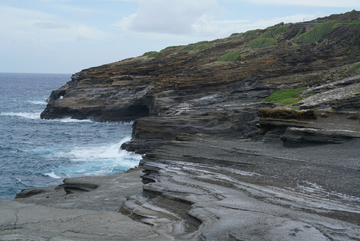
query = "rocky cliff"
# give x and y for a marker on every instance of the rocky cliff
(250, 137)
(216, 87)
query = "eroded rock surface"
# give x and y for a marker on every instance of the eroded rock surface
(85, 214)
(220, 163)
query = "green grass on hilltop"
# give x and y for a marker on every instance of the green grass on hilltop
(262, 42)
(230, 57)
(285, 97)
(152, 54)
(202, 47)
(301, 31)
(170, 48)
(274, 32)
(199, 46)
(318, 32)
(250, 33)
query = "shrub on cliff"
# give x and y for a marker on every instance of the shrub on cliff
(152, 54)
(274, 32)
(355, 24)
(202, 47)
(196, 47)
(285, 97)
(317, 33)
(354, 69)
(262, 42)
(170, 48)
(250, 33)
(230, 57)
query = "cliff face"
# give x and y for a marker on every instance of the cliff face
(217, 87)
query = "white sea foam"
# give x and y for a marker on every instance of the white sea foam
(102, 152)
(68, 120)
(98, 160)
(52, 175)
(27, 115)
(37, 102)
(89, 160)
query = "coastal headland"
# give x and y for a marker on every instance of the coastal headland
(252, 137)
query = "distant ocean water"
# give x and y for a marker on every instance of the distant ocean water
(36, 152)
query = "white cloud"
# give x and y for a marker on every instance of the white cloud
(311, 3)
(205, 27)
(29, 26)
(195, 19)
(171, 17)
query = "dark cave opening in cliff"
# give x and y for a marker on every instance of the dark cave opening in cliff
(138, 111)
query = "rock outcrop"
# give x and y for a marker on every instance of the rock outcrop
(217, 87)
(221, 163)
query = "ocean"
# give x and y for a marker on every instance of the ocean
(38, 153)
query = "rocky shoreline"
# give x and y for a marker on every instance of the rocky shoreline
(220, 162)
(203, 188)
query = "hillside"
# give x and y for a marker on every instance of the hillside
(188, 83)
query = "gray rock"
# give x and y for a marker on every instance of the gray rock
(19, 221)
(300, 137)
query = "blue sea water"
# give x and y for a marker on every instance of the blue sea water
(36, 152)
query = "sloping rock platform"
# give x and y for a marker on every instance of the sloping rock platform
(84, 214)
(203, 188)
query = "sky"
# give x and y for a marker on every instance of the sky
(66, 36)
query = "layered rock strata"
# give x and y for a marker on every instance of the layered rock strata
(221, 163)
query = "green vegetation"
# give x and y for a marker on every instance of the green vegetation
(356, 91)
(202, 47)
(152, 54)
(169, 48)
(201, 42)
(250, 33)
(238, 36)
(262, 42)
(356, 25)
(276, 25)
(354, 69)
(285, 97)
(318, 32)
(301, 31)
(199, 46)
(230, 57)
(343, 42)
(152, 82)
(353, 49)
(234, 34)
(274, 33)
